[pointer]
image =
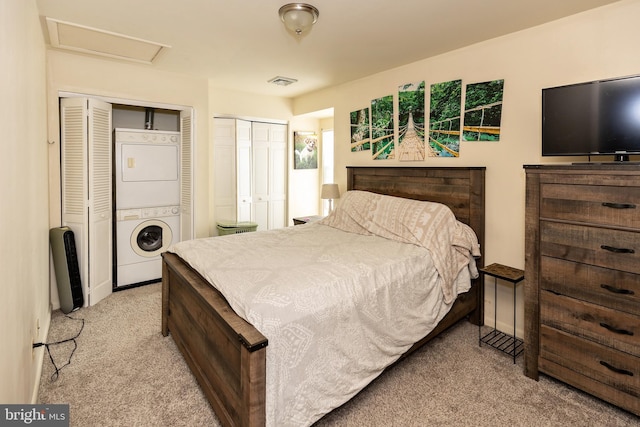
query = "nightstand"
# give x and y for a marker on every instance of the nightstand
(496, 339)
(306, 219)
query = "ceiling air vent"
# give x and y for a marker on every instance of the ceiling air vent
(65, 35)
(282, 81)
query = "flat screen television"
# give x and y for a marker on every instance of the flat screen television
(594, 118)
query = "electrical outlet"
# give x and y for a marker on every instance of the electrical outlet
(35, 335)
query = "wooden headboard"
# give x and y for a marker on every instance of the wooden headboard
(460, 188)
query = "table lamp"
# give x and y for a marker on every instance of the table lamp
(330, 192)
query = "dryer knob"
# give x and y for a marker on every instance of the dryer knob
(175, 211)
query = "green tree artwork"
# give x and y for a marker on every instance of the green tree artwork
(411, 145)
(483, 111)
(444, 119)
(382, 132)
(360, 130)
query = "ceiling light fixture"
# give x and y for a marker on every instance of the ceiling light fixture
(298, 17)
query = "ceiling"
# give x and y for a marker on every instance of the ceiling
(241, 45)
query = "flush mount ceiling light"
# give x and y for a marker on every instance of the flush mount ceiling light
(298, 17)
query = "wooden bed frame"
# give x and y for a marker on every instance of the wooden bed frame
(227, 355)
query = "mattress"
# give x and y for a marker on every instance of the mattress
(337, 306)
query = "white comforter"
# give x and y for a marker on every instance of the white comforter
(336, 307)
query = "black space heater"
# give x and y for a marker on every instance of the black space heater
(65, 263)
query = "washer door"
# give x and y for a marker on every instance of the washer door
(151, 238)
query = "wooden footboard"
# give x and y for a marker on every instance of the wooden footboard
(225, 353)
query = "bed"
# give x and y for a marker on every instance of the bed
(228, 355)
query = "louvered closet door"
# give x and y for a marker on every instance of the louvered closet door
(100, 201)
(86, 190)
(186, 175)
(74, 170)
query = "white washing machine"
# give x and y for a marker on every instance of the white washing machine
(147, 168)
(142, 234)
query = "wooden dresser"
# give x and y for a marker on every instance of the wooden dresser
(582, 278)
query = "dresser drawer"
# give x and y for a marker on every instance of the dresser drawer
(599, 324)
(614, 249)
(597, 369)
(598, 204)
(610, 288)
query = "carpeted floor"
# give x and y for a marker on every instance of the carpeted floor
(125, 373)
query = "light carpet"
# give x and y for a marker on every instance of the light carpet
(125, 373)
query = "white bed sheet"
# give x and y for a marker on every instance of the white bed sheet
(336, 307)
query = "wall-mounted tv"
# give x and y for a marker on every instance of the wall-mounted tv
(594, 118)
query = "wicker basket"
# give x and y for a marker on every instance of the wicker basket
(228, 227)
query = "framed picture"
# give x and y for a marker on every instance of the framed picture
(305, 146)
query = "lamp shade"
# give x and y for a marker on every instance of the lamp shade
(330, 191)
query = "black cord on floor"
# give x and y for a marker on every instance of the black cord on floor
(56, 374)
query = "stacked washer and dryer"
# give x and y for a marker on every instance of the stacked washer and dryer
(147, 203)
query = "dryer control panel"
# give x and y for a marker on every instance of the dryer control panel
(142, 213)
(150, 136)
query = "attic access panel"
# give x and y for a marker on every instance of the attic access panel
(79, 38)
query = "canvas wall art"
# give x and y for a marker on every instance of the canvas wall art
(382, 128)
(483, 111)
(305, 145)
(445, 119)
(411, 145)
(360, 130)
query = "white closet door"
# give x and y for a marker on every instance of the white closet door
(86, 190)
(100, 196)
(261, 175)
(186, 175)
(250, 157)
(243, 167)
(269, 175)
(224, 169)
(278, 176)
(74, 170)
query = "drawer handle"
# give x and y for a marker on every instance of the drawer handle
(616, 370)
(616, 290)
(616, 330)
(619, 205)
(617, 250)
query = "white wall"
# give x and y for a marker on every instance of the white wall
(597, 44)
(24, 248)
